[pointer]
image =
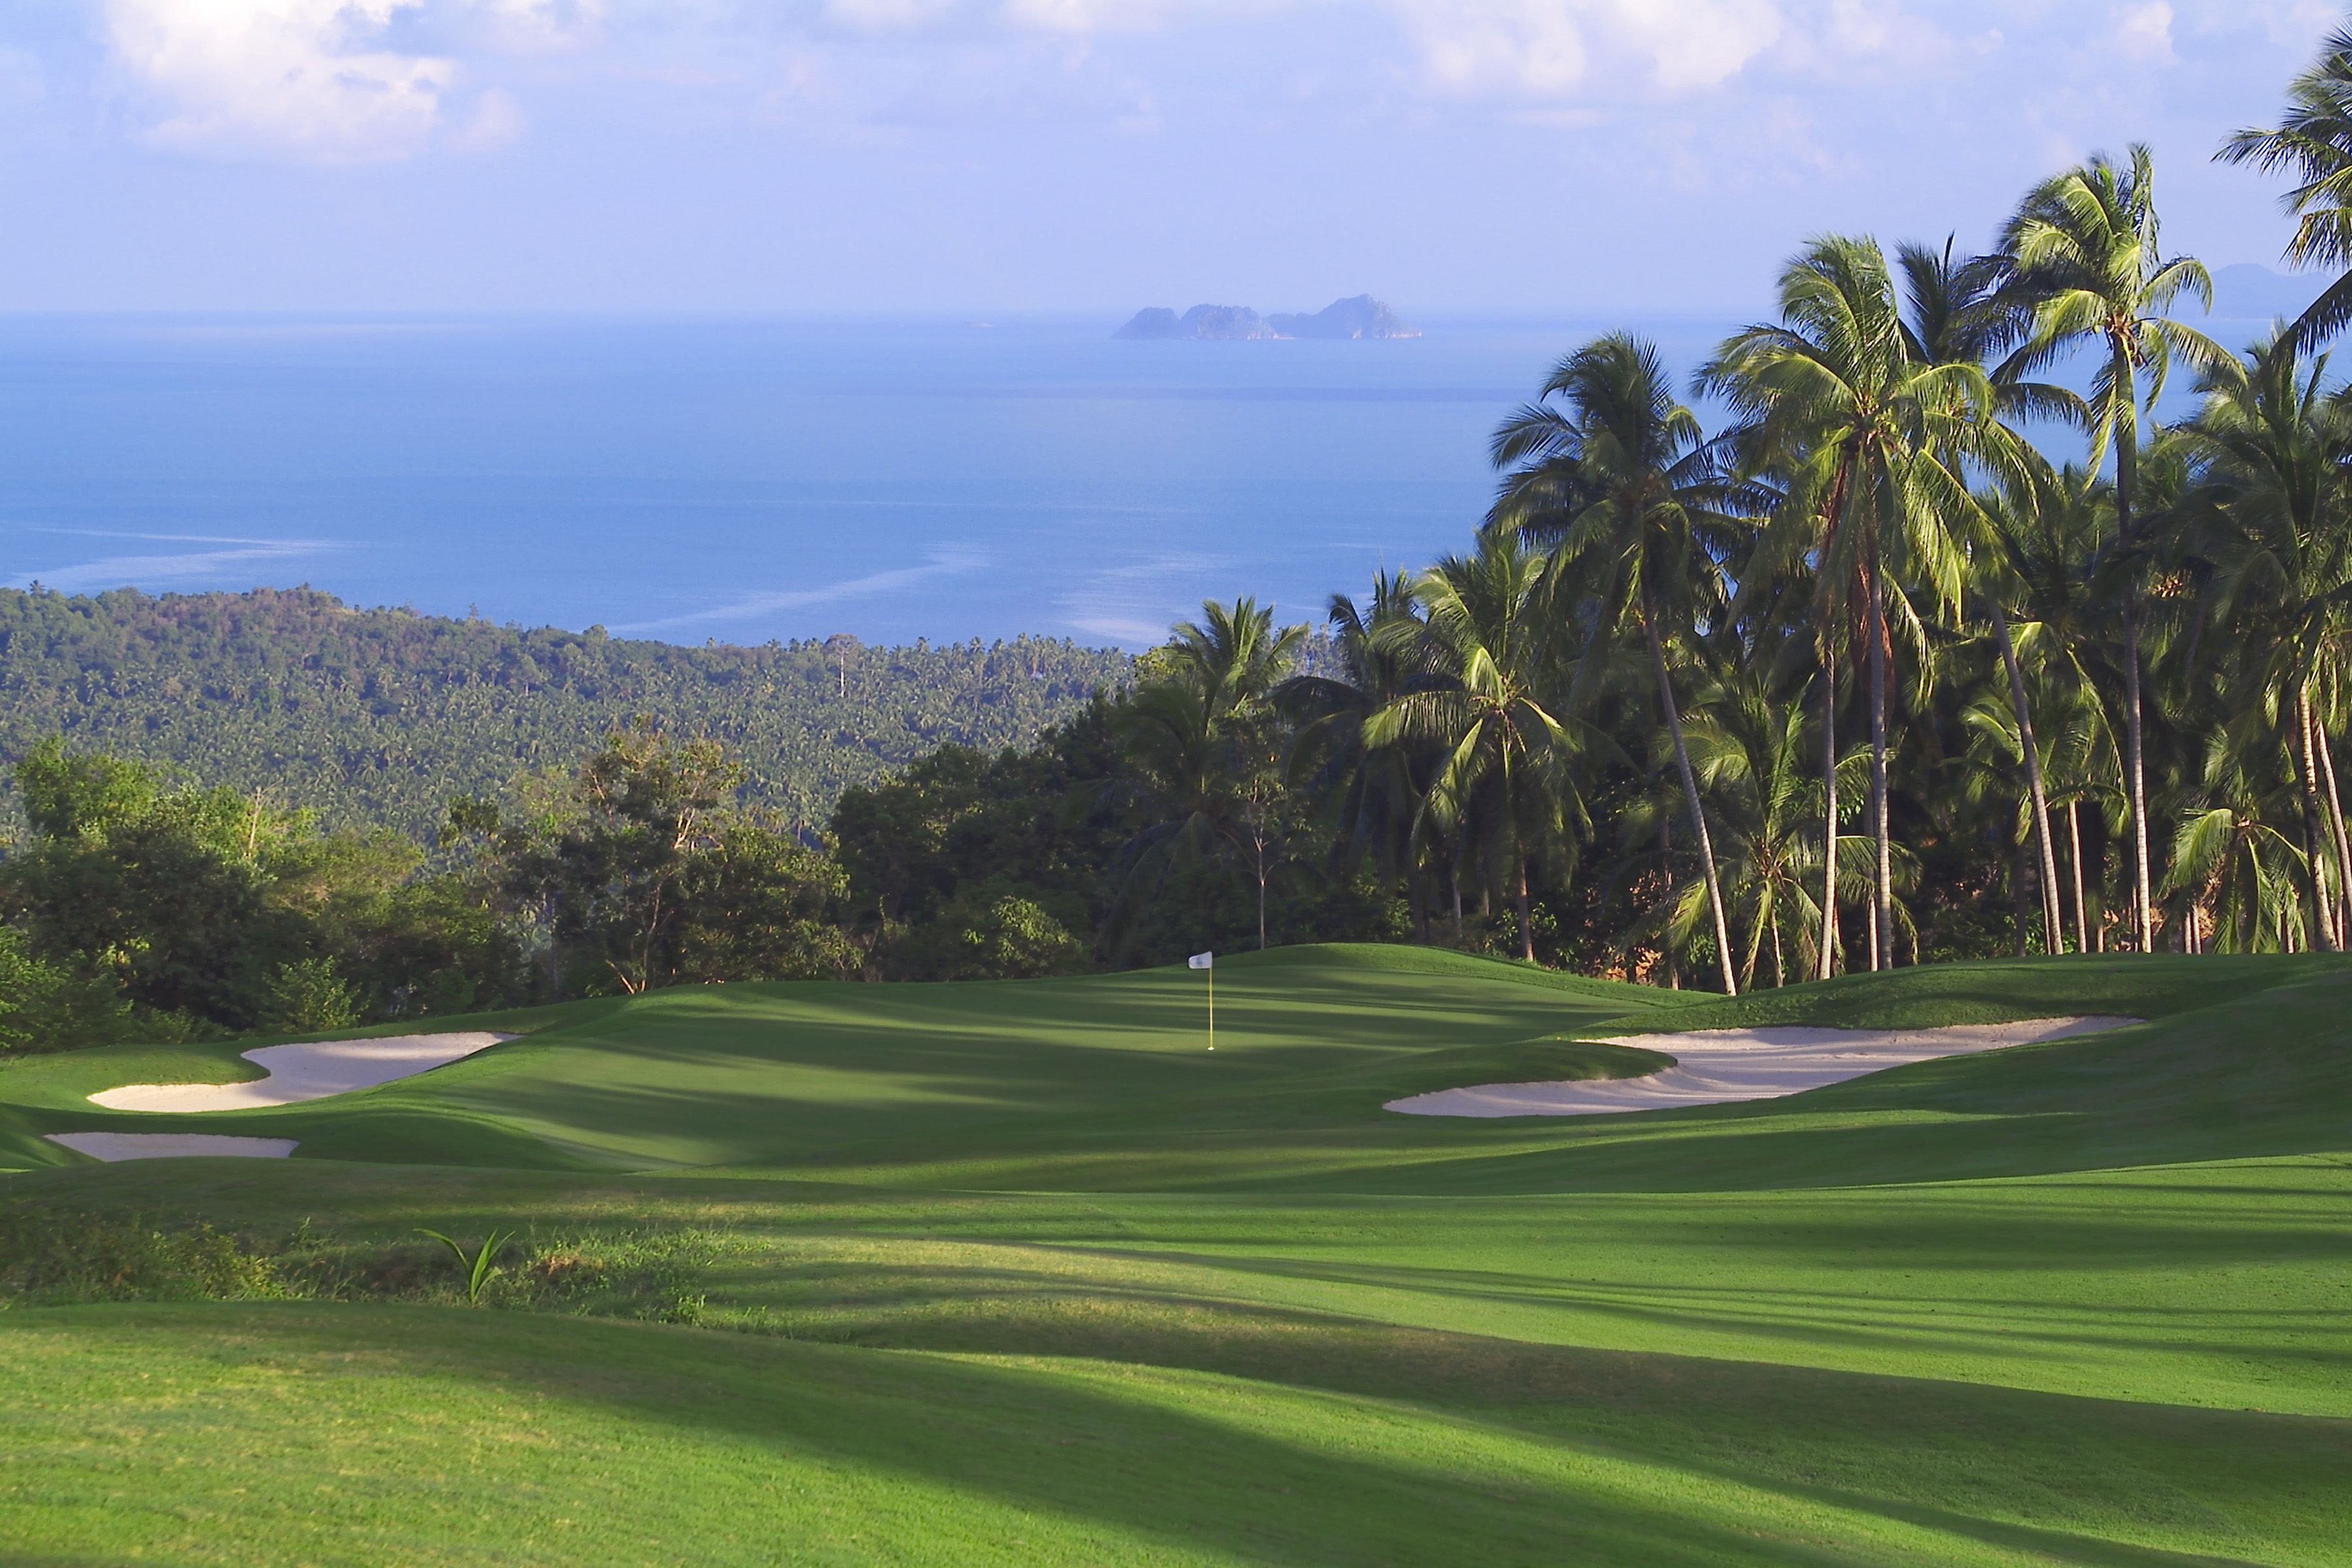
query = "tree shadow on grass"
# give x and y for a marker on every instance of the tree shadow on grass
(2044, 1469)
(1204, 1468)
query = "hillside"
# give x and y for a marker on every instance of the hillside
(379, 716)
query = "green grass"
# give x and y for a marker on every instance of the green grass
(1021, 1273)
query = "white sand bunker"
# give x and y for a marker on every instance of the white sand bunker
(171, 1145)
(304, 1072)
(1713, 1066)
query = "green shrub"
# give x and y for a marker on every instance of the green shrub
(50, 1256)
(47, 1257)
(46, 1007)
(308, 994)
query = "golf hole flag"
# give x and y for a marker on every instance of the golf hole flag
(1208, 961)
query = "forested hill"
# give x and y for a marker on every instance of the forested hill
(378, 717)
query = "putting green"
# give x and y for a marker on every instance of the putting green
(1021, 1273)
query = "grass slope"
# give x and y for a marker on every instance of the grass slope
(1021, 1273)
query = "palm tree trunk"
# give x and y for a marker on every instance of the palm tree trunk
(1882, 923)
(1690, 797)
(2053, 940)
(1526, 924)
(1823, 967)
(2074, 863)
(2314, 833)
(1666, 869)
(2335, 802)
(2125, 366)
(1779, 973)
(2143, 915)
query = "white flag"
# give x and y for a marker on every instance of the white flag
(1201, 960)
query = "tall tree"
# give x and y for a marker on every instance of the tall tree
(1837, 398)
(2089, 273)
(1642, 514)
(1200, 726)
(1486, 621)
(1375, 792)
(2312, 144)
(2275, 447)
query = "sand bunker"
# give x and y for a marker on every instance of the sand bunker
(1714, 1066)
(303, 1072)
(171, 1145)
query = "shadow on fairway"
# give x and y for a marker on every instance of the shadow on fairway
(1501, 1453)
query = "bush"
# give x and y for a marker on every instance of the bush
(49, 1258)
(45, 1008)
(308, 994)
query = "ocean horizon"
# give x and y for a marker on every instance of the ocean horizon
(748, 479)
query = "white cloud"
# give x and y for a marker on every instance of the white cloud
(334, 82)
(294, 78)
(519, 26)
(496, 120)
(887, 16)
(2145, 32)
(1549, 48)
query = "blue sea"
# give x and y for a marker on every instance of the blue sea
(743, 480)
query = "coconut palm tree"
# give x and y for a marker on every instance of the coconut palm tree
(1375, 792)
(2012, 517)
(2088, 271)
(1486, 624)
(2226, 853)
(1749, 753)
(2274, 448)
(1198, 726)
(1836, 398)
(1640, 514)
(2312, 144)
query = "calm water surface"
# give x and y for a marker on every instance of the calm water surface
(742, 481)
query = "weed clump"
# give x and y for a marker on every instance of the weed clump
(53, 1257)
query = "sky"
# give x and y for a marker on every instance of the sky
(1577, 156)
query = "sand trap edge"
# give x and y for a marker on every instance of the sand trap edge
(114, 1146)
(302, 1071)
(1811, 1057)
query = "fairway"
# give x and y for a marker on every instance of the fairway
(1021, 1272)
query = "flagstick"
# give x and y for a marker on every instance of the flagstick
(1212, 1007)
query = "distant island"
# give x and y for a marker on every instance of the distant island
(1361, 317)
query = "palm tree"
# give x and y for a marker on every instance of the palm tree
(2312, 143)
(1487, 628)
(2273, 446)
(1639, 513)
(1375, 792)
(2226, 853)
(2052, 534)
(2088, 271)
(1199, 725)
(1956, 315)
(2013, 519)
(1837, 398)
(1749, 753)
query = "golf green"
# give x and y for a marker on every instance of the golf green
(1022, 1273)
